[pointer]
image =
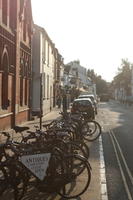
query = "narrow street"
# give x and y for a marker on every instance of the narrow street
(66, 56)
(117, 138)
(117, 123)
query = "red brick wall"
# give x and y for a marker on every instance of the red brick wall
(5, 122)
(22, 117)
(15, 45)
(0, 88)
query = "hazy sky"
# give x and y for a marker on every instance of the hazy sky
(99, 33)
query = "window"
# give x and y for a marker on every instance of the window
(24, 30)
(26, 92)
(4, 90)
(4, 11)
(12, 14)
(21, 91)
(47, 86)
(26, 69)
(44, 85)
(24, 25)
(48, 55)
(5, 102)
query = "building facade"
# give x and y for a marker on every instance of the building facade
(80, 72)
(46, 75)
(58, 76)
(15, 61)
(44, 72)
(77, 81)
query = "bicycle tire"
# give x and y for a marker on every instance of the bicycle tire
(12, 180)
(91, 130)
(85, 147)
(78, 147)
(3, 180)
(74, 184)
(20, 185)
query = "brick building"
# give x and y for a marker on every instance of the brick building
(15, 61)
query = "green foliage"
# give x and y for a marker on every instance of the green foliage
(91, 74)
(123, 77)
(101, 84)
(67, 68)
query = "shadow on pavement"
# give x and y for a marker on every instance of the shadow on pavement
(34, 194)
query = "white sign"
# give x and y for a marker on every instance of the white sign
(37, 163)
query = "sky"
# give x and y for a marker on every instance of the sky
(99, 33)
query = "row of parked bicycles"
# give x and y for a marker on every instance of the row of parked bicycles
(53, 159)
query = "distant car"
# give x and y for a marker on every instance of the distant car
(83, 105)
(92, 97)
(104, 97)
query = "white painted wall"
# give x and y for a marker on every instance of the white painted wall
(82, 73)
(43, 63)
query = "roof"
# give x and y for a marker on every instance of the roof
(83, 99)
(86, 96)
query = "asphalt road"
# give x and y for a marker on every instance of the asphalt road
(117, 122)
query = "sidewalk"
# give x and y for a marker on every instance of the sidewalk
(54, 114)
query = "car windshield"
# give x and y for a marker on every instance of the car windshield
(82, 103)
(87, 96)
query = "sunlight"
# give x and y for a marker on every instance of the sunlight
(90, 31)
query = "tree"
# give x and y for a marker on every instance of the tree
(91, 74)
(101, 84)
(123, 77)
(67, 68)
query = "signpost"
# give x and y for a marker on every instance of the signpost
(37, 163)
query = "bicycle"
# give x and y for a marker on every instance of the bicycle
(61, 171)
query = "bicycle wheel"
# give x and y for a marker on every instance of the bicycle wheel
(74, 148)
(3, 180)
(91, 130)
(13, 182)
(84, 146)
(73, 184)
(18, 179)
(19, 183)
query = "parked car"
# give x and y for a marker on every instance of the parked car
(92, 97)
(104, 97)
(84, 105)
